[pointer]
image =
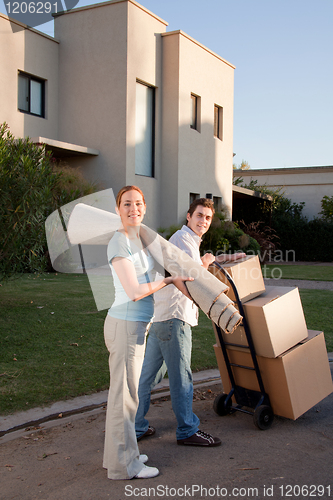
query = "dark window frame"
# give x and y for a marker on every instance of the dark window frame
(194, 112)
(32, 78)
(195, 120)
(153, 138)
(193, 197)
(218, 122)
(217, 200)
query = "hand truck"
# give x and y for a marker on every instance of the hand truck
(246, 399)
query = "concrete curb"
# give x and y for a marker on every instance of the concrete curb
(85, 404)
(11, 426)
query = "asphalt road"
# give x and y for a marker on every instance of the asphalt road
(62, 460)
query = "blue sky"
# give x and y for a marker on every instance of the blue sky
(283, 53)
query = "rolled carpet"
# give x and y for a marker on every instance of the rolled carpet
(89, 225)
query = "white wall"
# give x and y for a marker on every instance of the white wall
(37, 54)
(308, 184)
(197, 161)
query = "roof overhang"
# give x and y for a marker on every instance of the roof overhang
(244, 193)
(61, 149)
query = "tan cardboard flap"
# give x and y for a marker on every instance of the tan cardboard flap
(246, 274)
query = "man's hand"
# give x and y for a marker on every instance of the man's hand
(207, 260)
(227, 257)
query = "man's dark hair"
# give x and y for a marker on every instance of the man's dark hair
(204, 202)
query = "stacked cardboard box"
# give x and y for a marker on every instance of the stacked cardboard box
(292, 360)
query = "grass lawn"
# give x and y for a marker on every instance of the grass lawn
(316, 273)
(52, 346)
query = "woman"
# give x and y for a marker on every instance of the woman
(125, 330)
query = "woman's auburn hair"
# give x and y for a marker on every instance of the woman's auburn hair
(125, 189)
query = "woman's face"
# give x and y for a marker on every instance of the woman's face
(131, 209)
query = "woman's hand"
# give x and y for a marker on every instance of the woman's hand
(179, 283)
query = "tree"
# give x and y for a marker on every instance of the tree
(327, 208)
(243, 166)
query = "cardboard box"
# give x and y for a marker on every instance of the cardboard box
(238, 336)
(247, 276)
(295, 381)
(276, 322)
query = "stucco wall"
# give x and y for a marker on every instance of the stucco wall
(37, 54)
(144, 60)
(92, 67)
(92, 94)
(170, 123)
(199, 162)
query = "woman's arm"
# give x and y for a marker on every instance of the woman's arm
(135, 291)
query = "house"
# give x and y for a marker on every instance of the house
(116, 95)
(299, 184)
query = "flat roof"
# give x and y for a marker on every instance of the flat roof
(283, 170)
(248, 192)
(65, 149)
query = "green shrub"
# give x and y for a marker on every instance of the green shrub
(304, 240)
(71, 184)
(26, 184)
(31, 188)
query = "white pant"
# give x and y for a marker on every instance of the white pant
(125, 341)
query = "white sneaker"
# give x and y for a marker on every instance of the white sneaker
(147, 472)
(143, 458)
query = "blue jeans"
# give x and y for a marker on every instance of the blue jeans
(169, 348)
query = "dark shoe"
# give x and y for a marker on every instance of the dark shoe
(149, 432)
(200, 438)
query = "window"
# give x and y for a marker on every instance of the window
(145, 130)
(195, 112)
(218, 122)
(217, 200)
(194, 196)
(31, 95)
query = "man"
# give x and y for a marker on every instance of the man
(169, 343)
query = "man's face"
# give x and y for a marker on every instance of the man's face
(200, 220)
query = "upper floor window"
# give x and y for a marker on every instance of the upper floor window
(195, 112)
(218, 122)
(31, 94)
(144, 130)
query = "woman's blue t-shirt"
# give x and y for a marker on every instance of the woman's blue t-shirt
(123, 307)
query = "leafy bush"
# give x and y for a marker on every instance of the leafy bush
(306, 240)
(265, 236)
(71, 184)
(31, 188)
(27, 180)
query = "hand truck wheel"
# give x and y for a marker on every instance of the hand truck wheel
(221, 406)
(263, 417)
